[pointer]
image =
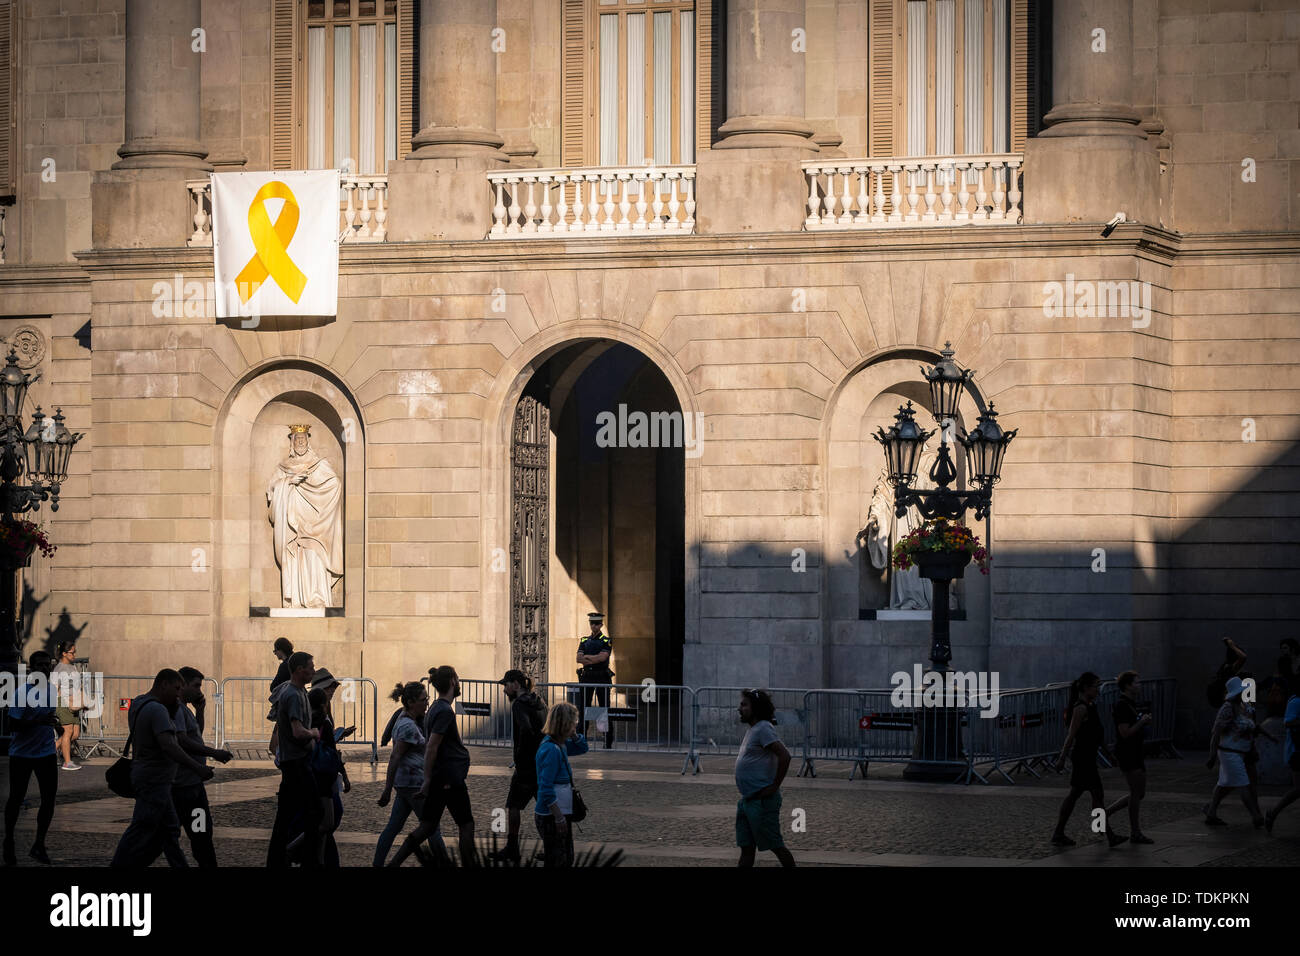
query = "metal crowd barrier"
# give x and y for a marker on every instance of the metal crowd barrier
(245, 702)
(638, 718)
(716, 721)
(109, 730)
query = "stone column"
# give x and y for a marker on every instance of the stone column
(765, 76)
(458, 82)
(162, 87)
(440, 190)
(142, 201)
(1093, 159)
(750, 181)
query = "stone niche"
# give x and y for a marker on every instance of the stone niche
(254, 439)
(869, 640)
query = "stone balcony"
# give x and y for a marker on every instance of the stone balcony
(653, 201)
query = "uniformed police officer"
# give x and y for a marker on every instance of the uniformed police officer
(593, 654)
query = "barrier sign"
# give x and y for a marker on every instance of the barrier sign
(124, 703)
(885, 721)
(471, 708)
(622, 713)
(1031, 720)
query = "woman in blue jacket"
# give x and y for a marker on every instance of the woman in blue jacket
(555, 783)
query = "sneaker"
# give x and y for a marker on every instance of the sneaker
(71, 766)
(39, 855)
(1140, 838)
(1211, 819)
(1115, 839)
(1060, 839)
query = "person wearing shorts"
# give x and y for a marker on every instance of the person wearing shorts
(1131, 722)
(446, 765)
(761, 765)
(1231, 740)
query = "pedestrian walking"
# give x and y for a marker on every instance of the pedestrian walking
(155, 827)
(1231, 741)
(1082, 742)
(405, 774)
(446, 765)
(553, 813)
(1131, 722)
(527, 718)
(761, 766)
(68, 680)
(297, 739)
(329, 772)
(283, 650)
(1291, 753)
(189, 795)
(34, 727)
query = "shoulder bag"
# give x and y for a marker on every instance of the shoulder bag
(118, 776)
(579, 805)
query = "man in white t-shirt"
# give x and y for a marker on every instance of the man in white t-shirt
(761, 765)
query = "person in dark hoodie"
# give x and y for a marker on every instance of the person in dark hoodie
(527, 715)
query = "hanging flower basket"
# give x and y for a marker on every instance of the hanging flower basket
(19, 541)
(941, 549)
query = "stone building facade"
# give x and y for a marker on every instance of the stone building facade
(773, 271)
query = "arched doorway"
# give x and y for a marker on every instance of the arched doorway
(596, 513)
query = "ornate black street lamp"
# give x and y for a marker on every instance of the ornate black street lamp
(33, 467)
(938, 732)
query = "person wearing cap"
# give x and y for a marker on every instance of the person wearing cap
(594, 653)
(1230, 741)
(527, 717)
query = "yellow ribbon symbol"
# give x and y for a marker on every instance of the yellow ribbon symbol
(271, 245)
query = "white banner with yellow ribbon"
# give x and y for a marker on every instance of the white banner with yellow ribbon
(275, 241)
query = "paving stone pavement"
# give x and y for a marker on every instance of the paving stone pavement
(643, 805)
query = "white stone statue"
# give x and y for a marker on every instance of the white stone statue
(306, 509)
(907, 589)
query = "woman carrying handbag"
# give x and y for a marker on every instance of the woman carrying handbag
(559, 804)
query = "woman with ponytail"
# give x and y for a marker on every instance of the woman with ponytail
(405, 766)
(1082, 744)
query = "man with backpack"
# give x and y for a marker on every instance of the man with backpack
(527, 716)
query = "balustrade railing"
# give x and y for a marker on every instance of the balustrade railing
(596, 201)
(924, 191)
(363, 212)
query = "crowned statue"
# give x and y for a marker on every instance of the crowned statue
(305, 498)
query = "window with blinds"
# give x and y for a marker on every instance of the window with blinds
(350, 70)
(953, 77)
(958, 77)
(645, 91)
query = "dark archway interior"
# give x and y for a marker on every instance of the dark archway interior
(618, 511)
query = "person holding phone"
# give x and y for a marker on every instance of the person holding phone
(1132, 719)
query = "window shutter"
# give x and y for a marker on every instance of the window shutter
(709, 93)
(1026, 110)
(408, 113)
(284, 66)
(881, 42)
(577, 58)
(8, 124)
